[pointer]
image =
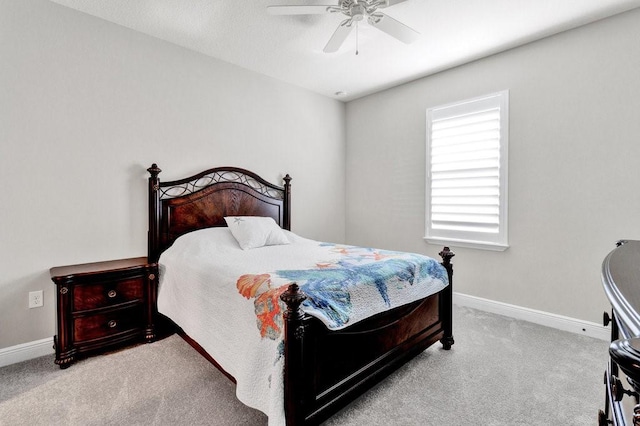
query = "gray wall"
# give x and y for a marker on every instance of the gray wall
(86, 106)
(574, 165)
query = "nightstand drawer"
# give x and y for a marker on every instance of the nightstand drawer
(112, 293)
(96, 326)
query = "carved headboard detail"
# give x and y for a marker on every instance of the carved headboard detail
(203, 200)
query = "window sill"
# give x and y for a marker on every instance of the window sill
(467, 244)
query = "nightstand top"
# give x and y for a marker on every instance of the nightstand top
(98, 267)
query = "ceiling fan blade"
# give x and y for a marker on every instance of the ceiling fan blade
(396, 29)
(298, 10)
(387, 3)
(338, 37)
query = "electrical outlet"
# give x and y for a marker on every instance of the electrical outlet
(35, 299)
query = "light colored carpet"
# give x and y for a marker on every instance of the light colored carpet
(500, 371)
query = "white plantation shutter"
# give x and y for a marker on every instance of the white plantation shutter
(467, 171)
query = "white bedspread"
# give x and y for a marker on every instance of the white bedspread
(227, 299)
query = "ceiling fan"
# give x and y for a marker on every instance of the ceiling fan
(355, 11)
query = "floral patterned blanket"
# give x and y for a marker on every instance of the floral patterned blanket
(357, 283)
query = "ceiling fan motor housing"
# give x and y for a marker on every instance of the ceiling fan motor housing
(357, 12)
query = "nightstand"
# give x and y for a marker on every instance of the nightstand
(103, 305)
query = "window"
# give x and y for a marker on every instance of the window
(466, 200)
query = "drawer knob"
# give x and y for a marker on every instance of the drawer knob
(112, 294)
(64, 290)
(112, 324)
(152, 276)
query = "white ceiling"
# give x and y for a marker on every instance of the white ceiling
(289, 48)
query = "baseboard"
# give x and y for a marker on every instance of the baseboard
(26, 351)
(560, 322)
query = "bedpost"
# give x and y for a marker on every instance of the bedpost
(153, 238)
(446, 300)
(294, 375)
(287, 203)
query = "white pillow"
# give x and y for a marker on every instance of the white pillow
(255, 231)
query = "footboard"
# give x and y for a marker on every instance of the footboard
(325, 370)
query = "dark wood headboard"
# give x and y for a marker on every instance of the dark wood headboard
(203, 200)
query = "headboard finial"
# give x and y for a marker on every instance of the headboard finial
(154, 170)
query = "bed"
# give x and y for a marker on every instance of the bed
(320, 364)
